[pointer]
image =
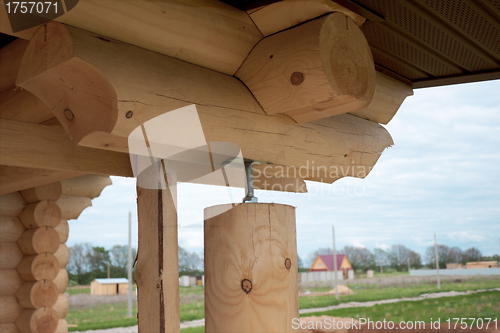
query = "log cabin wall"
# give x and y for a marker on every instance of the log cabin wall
(33, 255)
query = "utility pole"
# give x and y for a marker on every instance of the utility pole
(408, 265)
(108, 270)
(437, 261)
(335, 264)
(129, 299)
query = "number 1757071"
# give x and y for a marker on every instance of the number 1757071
(31, 7)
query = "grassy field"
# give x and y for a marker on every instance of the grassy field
(480, 305)
(192, 303)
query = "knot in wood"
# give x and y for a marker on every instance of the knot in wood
(288, 263)
(246, 285)
(297, 78)
(69, 114)
(129, 114)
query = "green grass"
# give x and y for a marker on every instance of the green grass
(115, 315)
(363, 294)
(478, 305)
(75, 291)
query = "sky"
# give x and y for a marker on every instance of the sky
(441, 176)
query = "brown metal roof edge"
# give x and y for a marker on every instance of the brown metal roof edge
(456, 79)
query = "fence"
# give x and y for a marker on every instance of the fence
(474, 271)
(320, 276)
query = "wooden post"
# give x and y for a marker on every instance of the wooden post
(250, 268)
(157, 271)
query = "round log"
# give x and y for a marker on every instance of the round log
(50, 192)
(10, 309)
(8, 328)
(10, 229)
(61, 306)
(11, 204)
(34, 295)
(62, 255)
(43, 266)
(10, 255)
(63, 230)
(62, 327)
(10, 282)
(85, 186)
(319, 69)
(61, 280)
(42, 320)
(39, 240)
(72, 207)
(41, 214)
(250, 260)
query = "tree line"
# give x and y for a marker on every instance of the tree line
(88, 262)
(398, 257)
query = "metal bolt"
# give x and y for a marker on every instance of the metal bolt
(288, 263)
(69, 114)
(246, 285)
(129, 114)
(297, 78)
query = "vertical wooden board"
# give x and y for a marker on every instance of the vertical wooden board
(10, 255)
(10, 309)
(249, 245)
(10, 229)
(10, 281)
(11, 204)
(157, 274)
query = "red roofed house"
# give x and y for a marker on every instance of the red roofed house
(324, 262)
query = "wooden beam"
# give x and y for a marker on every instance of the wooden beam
(157, 272)
(319, 69)
(250, 269)
(26, 145)
(227, 110)
(19, 104)
(284, 14)
(13, 179)
(207, 33)
(85, 186)
(50, 192)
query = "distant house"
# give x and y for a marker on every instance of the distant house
(482, 264)
(324, 262)
(454, 266)
(109, 286)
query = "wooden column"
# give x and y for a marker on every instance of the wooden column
(157, 271)
(250, 269)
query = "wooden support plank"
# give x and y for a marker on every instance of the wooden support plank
(227, 110)
(10, 255)
(10, 229)
(157, 274)
(13, 179)
(50, 192)
(251, 269)
(282, 15)
(44, 266)
(11, 281)
(33, 295)
(319, 69)
(85, 186)
(42, 320)
(39, 240)
(21, 144)
(40, 214)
